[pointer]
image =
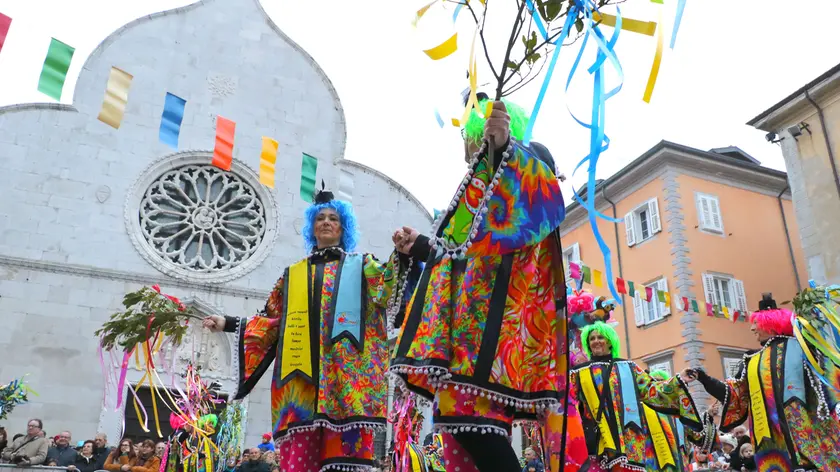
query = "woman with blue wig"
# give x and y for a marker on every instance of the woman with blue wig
(324, 326)
(619, 402)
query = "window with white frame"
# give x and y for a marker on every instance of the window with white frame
(661, 363)
(724, 290)
(642, 223)
(731, 364)
(653, 310)
(571, 254)
(708, 213)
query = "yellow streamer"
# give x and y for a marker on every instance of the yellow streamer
(646, 28)
(116, 97)
(472, 102)
(145, 423)
(153, 387)
(422, 12)
(268, 159)
(590, 394)
(443, 49)
(657, 60)
(660, 440)
(296, 342)
(806, 349)
(758, 410)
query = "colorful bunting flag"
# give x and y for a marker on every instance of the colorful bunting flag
(116, 97)
(268, 158)
(709, 310)
(308, 170)
(648, 294)
(55, 69)
(660, 295)
(631, 289)
(694, 307)
(170, 121)
(619, 285)
(574, 271)
(686, 307)
(667, 299)
(223, 152)
(597, 278)
(587, 275)
(5, 24)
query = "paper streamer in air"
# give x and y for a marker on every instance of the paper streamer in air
(345, 185)
(55, 69)
(268, 159)
(170, 122)
(308, 169)
(647, 28)
(223, 152)
(657, 60)
(443, 49)
(116, 97)
(677, 21)
(5, 24)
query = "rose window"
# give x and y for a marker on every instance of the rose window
(202, 219)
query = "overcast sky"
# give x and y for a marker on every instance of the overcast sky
(733, 59)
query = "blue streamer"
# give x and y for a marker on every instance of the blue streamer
(170, 122)
(438, 118)
(677, 21)
(539, 23)
(457, 11)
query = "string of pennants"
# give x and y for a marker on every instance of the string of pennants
(581, 274)
(54, 74)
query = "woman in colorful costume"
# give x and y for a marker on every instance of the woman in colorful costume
(325, 325)
(777, 388)
(622, 435)
(484, 335)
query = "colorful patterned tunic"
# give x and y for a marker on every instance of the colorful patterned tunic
(346, 394)
(789, 431)
(612, 394)
(484, 334)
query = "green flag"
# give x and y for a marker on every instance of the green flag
(631, 289)
(55, 68)
(307, 177)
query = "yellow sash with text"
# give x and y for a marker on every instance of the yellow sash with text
(297, 344)
(590, 394)
(660, 439)
(758, 411)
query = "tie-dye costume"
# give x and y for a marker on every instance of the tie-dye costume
(792, 429)
(484, 335)
(611, 394)
(328, 420)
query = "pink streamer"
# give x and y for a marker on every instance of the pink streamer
(123, 371)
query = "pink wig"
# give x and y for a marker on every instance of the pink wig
(776, 322)
(176, 421)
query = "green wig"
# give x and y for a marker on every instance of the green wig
(606, 331)
(660, 375)
(474, 128)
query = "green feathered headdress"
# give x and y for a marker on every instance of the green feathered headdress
(474, 128)
(606, 331)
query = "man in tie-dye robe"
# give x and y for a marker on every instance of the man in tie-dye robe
(324, 326)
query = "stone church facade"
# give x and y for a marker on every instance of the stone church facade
(86, 212)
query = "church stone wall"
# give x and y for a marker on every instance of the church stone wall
(67, 255)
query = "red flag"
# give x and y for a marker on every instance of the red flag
(619, 285)
(223, 152)
(5, 23)
(649, 293)
(686, 306)
(710, 311)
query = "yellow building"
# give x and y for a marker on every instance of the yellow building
(806, 125)
(715, 226)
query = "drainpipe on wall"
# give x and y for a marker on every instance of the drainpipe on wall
(620, 271)
(787, 237)
(827, 143)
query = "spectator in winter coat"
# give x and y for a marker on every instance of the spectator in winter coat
(101, 450)
(122, 458)
(147, 461)
(30, 449)
(267, 444)
(254, 464)
(63, 453)
(85, 460)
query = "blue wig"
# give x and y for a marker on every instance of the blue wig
(349, 232)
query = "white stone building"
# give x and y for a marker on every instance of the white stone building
(75, 219)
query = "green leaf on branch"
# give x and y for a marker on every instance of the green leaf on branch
(532, 58)
(512, 65)
(579, 25)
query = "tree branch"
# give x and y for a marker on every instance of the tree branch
(481, 35)
(527, 79)
(513, 34)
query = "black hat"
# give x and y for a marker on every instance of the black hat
(323, 196)
(767, 302)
